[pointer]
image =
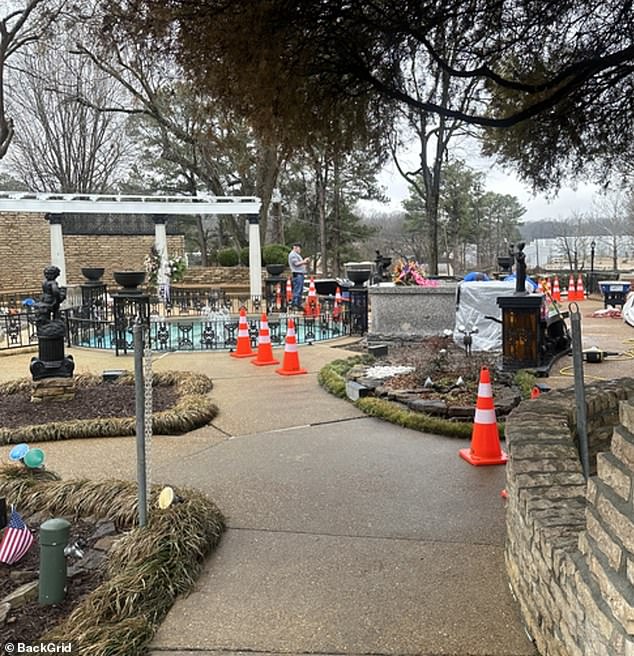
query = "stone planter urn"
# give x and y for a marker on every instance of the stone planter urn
(93, 274)
(129, 281)
(275, 269)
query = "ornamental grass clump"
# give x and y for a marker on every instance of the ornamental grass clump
(147, 567)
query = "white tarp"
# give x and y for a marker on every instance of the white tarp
(628, 310)
(474, 302)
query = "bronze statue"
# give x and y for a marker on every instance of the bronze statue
(51, 331)
(520, 269)
(52, 296)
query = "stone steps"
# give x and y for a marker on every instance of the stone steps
(626, 415)
(608, 542)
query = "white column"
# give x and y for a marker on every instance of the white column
(255, 257)
(57, 246)
(160, 243)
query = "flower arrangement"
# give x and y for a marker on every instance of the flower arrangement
(176, 267)
(410, 272)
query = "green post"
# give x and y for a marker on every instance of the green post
(53, 540)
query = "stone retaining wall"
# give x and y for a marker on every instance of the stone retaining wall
(570, 544)
(217, 276)
(409, 313)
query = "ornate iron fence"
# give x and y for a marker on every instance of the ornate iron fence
(191, 319)
(217, 331)
(17, 330)
(201, 334)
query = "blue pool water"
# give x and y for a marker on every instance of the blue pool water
(200, 334)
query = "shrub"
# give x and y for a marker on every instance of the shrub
(275, 254)
(244, 255)
(228, 257)
(525, 380)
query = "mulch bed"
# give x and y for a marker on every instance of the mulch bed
(90, 402)
(440, 359)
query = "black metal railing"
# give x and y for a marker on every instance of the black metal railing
(17, 330)
(202, 334)
(216, 331)
(190, 319)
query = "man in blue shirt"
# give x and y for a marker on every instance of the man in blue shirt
(297, 265)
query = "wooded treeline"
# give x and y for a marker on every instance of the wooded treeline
(302, 104)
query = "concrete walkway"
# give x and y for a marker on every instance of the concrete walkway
(347, 535)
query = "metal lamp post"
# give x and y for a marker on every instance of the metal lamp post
(593, 245)
(276, 206)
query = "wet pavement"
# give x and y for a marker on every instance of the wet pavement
(347, 535)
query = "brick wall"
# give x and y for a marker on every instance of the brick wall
(113, 252)
(25, 251)
(570, 544)
(215, 276)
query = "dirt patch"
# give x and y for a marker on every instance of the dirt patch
(90, 402)
(439, 359)
(443, 379)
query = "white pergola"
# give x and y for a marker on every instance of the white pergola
(160, 207)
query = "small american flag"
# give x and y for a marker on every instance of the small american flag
(16, 540)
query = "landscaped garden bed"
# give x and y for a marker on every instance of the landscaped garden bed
(116, 607)
(430, 386)
(105, 409)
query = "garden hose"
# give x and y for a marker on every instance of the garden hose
(568, 372)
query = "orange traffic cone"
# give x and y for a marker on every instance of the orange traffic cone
(243, 346)
(311, 308)
(336, 311)
(572, 292)
(535, 392)
(556, 295)
(581, 294)
(289, 291)
(485, 438)
(290, 365)
(265, 350)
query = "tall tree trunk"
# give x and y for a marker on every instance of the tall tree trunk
(202, 241)
(337, 221)
(615, 253)
(320, 194)
(268, 167)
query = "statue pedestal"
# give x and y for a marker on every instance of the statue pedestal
(51, 363)
(522, 331)
(53, 389)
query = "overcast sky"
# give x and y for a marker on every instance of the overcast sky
(561, 206)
